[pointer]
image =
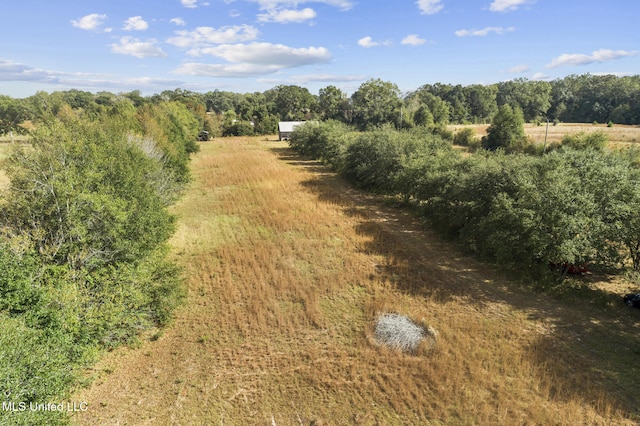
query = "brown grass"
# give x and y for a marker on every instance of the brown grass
(287, 269)
(620, 136)
(4, 152)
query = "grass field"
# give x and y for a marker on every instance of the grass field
(4, 151)
(287, 268)
(620, 136)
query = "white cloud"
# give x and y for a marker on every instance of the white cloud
(602, 55)
(254, 59)
(135, 23)
(287, 15)
(269, 54)
(15, 71)
(413, 40)
(518, 69)
(507, 5)
(205, 36)
(139, 49)
(89, 22)
(225, 70)
(178, 21)
(286, 11)
(484, 31)
(368, 42)
(191, 4)
(304, 79)
(540, 76)
(429, 7)
(279, 4)
(314, 78)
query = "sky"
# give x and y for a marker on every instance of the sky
(254, 45)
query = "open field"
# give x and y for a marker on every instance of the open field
(620, 136)
(287, 268)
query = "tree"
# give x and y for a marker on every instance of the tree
(291, 102)
(481, 101)
(12, 114)
(331, 102)
(532, 97)
(506, 130)
(430, 108)
(376, 102)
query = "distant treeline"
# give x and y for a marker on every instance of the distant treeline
(577, 98)
(84, 227)
(568, 206)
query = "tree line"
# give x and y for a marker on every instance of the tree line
(84, 227)
(569, 206)
(576, 98)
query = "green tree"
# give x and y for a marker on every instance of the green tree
(12, 114)
(376, 102)
(481, 101)
(506, 130)
(532, 97)
(331, 103)
(291, 103)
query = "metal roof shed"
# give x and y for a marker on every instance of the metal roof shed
(286, 127)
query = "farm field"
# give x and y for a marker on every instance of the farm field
(620, 136)
(287, 268)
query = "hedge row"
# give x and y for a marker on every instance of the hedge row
(83, 232)
(569, 205)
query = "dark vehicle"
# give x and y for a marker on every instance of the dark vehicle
(632, 300)
(203, 136)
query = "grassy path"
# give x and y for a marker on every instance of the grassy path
(286, 270)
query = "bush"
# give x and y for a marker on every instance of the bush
(78, 205)
(83, 262)
(34, 368)
(594, 140)
(465, 137)
(372, 161)
(239, 128)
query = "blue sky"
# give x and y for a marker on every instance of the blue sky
(254, 45)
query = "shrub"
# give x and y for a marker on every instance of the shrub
(595, 140)
(239, 128)
(372, 161)
(78, 205)
(465, 137)
(34, 367)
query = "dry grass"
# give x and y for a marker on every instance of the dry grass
(620, 136)
(4, 151)
(287, 269)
